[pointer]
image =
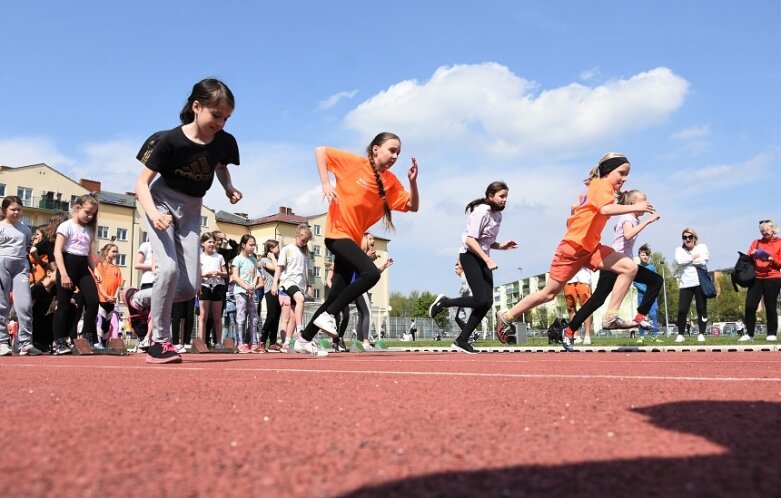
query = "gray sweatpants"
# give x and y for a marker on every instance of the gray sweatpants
(176, 251)
(15, 276)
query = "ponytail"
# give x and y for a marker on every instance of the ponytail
(210, 92)
(493, 188)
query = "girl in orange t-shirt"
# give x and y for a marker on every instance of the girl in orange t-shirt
(365, 191)
(580, 246)
(108, 287)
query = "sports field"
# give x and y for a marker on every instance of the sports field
(395, 424)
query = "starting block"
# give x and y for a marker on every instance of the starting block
(82, 347)
(116, 347)
(230, 346)
(199, 346)
(326, 344)
(380, 345)
(357, 347)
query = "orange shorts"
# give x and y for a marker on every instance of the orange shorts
(576, 292)
(569, 259)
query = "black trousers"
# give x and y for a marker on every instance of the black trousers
(685, 296)
(767, 289)
(271, 324)
(349, 259)
(64, 320)
(182, 320)
(481, 282)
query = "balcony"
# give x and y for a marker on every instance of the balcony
(45, 203)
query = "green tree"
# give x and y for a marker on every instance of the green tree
(402, 305)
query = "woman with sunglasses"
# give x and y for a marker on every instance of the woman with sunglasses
(689, 256)
(766, 253)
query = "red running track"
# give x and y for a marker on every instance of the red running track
(394, 424)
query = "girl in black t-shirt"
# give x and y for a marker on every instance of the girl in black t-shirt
(179, 167)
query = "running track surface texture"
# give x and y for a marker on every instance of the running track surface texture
(394, 424)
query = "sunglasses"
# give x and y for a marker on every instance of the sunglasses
(762, 222)
(688, 237)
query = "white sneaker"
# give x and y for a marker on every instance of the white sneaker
(5, 350)
(326, 323)
(745, 337)
(587, 341)
(303, 346)
(577, 340)
(772, 338)
(27, 348)
(700, 338)
(180, 348)
(680, 338)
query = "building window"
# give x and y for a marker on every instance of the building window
(317, 271)
(317, 230)
(28, 220)
(102, 232)
(317, 294)
(26, 194)
(2, 189)
(204, 221)
(144, 236)
(121, 260)
(121, 233)
(74, 198)
(317, 250)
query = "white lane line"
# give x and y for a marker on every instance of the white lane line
(424, 374)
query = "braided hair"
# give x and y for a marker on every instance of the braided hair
(379, 140)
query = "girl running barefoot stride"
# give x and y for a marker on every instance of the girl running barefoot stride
(580, 246)
(365, 191)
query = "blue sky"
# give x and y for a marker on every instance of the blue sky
(530, 92)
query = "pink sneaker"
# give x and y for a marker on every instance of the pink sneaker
(259, 348)
(244, 349)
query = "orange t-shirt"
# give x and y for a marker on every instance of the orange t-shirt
(111, 280)
(359, 205)
(584, 227)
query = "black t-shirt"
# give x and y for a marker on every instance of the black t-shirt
(185, 165)
(42, 299)
(45, 248)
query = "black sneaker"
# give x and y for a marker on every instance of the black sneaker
(436, 307)
(464, 347)
(566, 342)
(61, 347)
(162, 352)
(342, 347)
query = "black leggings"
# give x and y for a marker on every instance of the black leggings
(607, 279)
(271, 323)
(342, 320)
(348, 260)
(184, 310)
(481, 282)
(685, 296)
(767, 289)
(78, 271)
(364, 317)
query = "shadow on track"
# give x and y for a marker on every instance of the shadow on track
(750, 432)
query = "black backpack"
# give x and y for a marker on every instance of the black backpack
(743, 274)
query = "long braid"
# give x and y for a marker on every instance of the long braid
(387, 218)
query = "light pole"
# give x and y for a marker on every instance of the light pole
(520, 293)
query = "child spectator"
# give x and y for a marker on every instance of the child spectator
(108, 289)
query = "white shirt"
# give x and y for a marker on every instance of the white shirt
(688, 266)
(78, 238)
(296, 267)
(15, 240)
(148, 276)
(583, 276)
(482, 225)
(211, 263)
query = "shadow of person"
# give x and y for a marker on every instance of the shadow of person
(750, 433)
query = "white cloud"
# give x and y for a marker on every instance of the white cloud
(23, 151)
(488, 108)
(335, 98)
(691, 133)
(589, 74)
